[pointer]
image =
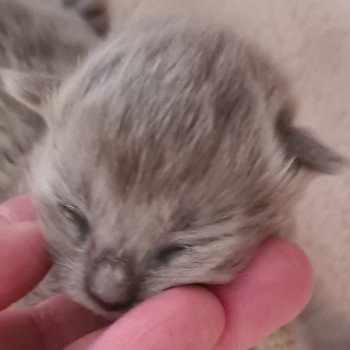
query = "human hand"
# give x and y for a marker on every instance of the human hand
(268, 293)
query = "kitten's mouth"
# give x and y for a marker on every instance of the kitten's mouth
(109, 307)
(114, 307)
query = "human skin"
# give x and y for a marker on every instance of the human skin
(272, 290)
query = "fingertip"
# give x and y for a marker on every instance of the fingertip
(23, 256)
(294, 265)
(18, 210)
(24, 261)
(271, 291)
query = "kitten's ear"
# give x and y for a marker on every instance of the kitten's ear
(305, 150)
(30, 89)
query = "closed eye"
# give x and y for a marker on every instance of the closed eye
(73, 214)
(164, 254)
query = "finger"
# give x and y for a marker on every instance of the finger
(270, 292)
(50, 325)
(183, 318)
(18, 209)
(23, 260)
(23, 256)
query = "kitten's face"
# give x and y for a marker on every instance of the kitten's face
(127, 215)
(113, 249)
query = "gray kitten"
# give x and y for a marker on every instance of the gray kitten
(169, 156)
(34, 36)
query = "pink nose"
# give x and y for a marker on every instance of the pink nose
(109, 284)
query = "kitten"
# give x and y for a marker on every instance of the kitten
(169, 155)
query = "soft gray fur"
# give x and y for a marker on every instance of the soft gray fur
(169, 156)
(34, 36)
(93, 11)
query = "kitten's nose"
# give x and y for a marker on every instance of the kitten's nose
(109, 284)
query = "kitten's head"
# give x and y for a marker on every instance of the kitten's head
(169, 156)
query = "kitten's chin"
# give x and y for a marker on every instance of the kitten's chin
(108, 315)
(85, 301)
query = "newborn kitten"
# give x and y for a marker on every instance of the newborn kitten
(169, 155)
(34, 36)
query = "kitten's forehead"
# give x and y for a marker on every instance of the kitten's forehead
(170, 116)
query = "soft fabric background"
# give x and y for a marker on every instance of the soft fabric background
(311, 41)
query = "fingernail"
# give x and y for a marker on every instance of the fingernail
(18, 209)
